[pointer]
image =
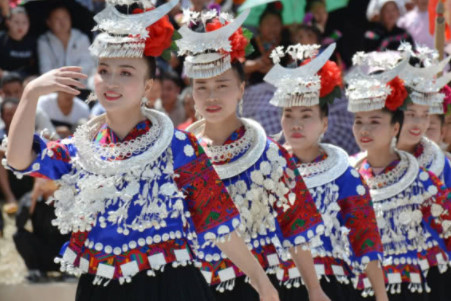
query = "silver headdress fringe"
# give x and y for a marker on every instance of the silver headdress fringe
(144, 3)
(436, 108)
(208, 52)
(369, 92)
(298, 86)
(125, 35)
(424, 83)
(206, 65)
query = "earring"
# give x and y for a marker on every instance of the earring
(320, 138)
(144, 101)
(92, 97)
(393, 143)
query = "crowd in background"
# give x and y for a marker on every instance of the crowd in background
(364, 25)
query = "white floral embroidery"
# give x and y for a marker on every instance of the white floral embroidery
(361, 190)
(188, 150)
(180, 135)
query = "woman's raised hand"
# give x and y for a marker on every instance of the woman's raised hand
(64, 79)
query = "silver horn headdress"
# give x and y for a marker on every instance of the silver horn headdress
(298, 86)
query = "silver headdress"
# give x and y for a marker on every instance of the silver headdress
(423, 85)
(125, 35)
(368, 92)
(298, 86)
(208, 53)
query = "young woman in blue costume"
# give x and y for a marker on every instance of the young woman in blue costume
(425, 98)
(351, 243)
(140, 198)
(410, 203)
(279, 217)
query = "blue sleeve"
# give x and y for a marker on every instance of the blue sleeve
(53, 159)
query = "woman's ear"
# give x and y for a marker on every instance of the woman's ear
(148, 86)
(325, 123)
(242, 87)
(397, 129)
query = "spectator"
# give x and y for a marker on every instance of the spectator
(62, 45)
(17, 49)
(170, 101)
(11, 187)
(188, 104)
(65, 111)
(39, 247)
(8, 108)
(11, 87)
(270, 35)
(306, 35)
(416, 22)
(385, 35)
(319, 13)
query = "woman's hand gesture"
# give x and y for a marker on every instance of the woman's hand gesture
(64, 79)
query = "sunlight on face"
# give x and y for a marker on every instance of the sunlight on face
(120, 82)
(416, 122)
(217, 98)
(373, 130)
(302, 126)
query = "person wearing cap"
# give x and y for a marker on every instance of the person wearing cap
(426, 99)
(140, 198)
(411, 203)
(279, 217)
(385, 34)
(351, 243)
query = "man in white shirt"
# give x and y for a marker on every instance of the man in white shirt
(416, 22)
(62, 45)
(65, 111)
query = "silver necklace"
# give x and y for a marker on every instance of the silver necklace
(319, 173)
(256, 137)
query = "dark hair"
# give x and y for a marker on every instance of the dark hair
(6, 101)
(324, 110)
(312, 3)
(151, 66)
(11, 77)
(270, 11)
(173, 77)
(396, 117)
(56, 7)
(312, 29)
(442, 119)
(238, 68)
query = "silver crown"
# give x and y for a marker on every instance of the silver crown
(368, 92)
(298, 86)
(125, 35)
(207, 53)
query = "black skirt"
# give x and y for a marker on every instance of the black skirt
(174, 284)
(335, 290)
(440, 284)
(405, 295)
(242, 291)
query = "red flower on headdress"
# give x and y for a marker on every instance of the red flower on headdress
(398, 94)
(237, 40)
(447, 100)
(330, 78)
(160, 35)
